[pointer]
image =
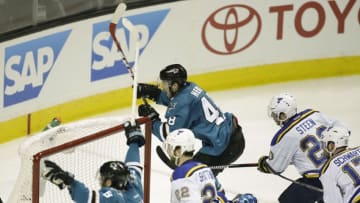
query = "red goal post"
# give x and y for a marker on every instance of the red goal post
(80, 148)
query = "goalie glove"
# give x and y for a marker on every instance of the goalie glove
(148, 91)
(56, 175)
(133, 134)
(149, 111)
(244, 198)
(262, 165)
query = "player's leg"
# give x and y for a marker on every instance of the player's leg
(236, 146)
(230, 154)
(296, 193)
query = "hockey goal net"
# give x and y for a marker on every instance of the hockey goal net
(80, 148)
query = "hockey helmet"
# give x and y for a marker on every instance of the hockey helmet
(174, 73)
(179, 142)
(117, 172)
(282, 107)
(335, 137)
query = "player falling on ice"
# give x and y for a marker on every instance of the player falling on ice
(189, 106)
(340, 176)
(192, 181)
(120, 181)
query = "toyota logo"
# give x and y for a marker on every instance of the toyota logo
(231, 29)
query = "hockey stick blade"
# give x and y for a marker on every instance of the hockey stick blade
(164, 158)
(120, 10)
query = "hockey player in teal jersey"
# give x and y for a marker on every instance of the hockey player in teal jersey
(192, 181)
(120, 182)
(189, 106)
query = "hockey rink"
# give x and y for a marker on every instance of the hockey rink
(337, 97)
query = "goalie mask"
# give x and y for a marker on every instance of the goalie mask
(334, 138)
(282, 107)
(172, 74)
(178, 142)
(117, 172)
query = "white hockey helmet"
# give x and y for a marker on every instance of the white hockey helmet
(180, 141)
(335, 137)
(282, 107)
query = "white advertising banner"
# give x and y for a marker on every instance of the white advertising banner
(80, 59)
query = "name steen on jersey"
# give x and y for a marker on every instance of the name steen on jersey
(346, 157)
(305, 126)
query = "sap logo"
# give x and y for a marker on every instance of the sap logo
(106, 60)
(27, 66)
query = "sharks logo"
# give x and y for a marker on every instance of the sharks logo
(172, 105)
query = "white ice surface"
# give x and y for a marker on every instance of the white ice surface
(337, 97)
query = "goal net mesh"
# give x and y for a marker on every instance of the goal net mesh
(80, 148)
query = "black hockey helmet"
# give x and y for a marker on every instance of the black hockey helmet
(117, 172)
(174, 73)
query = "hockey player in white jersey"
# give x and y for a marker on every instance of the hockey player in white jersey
(120, 182)
(297, 143)
(340, 176)
(192, 181)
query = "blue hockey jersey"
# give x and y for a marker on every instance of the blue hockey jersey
(192, 108)
(80, 193)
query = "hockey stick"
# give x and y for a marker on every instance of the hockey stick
(302, 184)
(133, 31)
(165, 158)
(234, 166)
(119, 12)
(171, 165)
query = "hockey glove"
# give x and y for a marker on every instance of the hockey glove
(244, 198)
(262, 165)
(56, 175)
(149, 111)
(133, 134)
(148, 91)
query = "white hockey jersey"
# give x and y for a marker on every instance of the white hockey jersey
(340, 177)
(191, 182)
(298, 143)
